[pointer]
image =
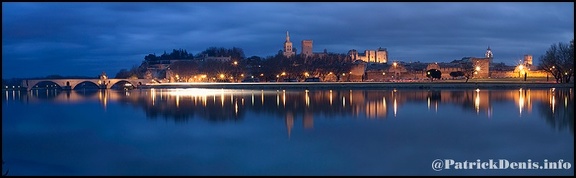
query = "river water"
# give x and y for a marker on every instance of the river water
(288, 132)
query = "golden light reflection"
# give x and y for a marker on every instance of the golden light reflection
(231, 98)
(428, 103)
(343, 101)
(277, 99)
(307, 99)
(252, 98)
(177, 101)
(284, 98)
(289, 122)
(384, 104)
(236, 108)
(103, 96)
(262, 94)
(350, 97)
(521, 101)
(204, 100)
(330, 97)
(477, 101)
(222, 98)
(395, 107)
(553, 102)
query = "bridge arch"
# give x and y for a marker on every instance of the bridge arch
(114, 82)
(35, 83)
(81, 83)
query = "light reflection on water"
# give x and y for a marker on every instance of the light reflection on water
(482, 124)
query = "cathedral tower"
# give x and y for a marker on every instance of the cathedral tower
(288, 46)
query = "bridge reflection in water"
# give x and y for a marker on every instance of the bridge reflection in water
(555, 105)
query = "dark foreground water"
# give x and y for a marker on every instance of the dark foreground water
(288, 132)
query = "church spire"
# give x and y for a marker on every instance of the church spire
(287, 36)
(489, 53)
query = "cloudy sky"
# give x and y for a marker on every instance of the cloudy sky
(40, 39)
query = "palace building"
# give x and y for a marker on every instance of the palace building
(376, 56)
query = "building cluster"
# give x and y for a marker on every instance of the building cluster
(290, 51)
(374, 65)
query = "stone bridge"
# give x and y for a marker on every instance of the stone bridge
(72, 83)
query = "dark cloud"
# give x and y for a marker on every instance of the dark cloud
(40, 39)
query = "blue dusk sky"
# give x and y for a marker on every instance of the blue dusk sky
(86, 38)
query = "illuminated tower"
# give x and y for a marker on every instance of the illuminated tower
(288, 46)
(306, 48)
(489, 53)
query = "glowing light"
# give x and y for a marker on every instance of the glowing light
(222, 98)
(284, 98)
(198, 92)
(236, 108)
(428, 103)
(477, 103)
(477, 68)
(330, 97)
(177, 101)
(395, 107)
(222, 76)
(350, 97)
(553, 103)
(521, 101)
(307, 99)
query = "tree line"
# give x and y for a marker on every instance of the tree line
(269, 68)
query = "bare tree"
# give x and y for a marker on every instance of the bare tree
(559, 61)
(470, 68)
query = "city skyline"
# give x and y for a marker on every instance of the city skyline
(84, 39)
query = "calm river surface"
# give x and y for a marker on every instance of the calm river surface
(288, 132)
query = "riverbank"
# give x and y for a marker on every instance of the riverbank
(364, 85)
